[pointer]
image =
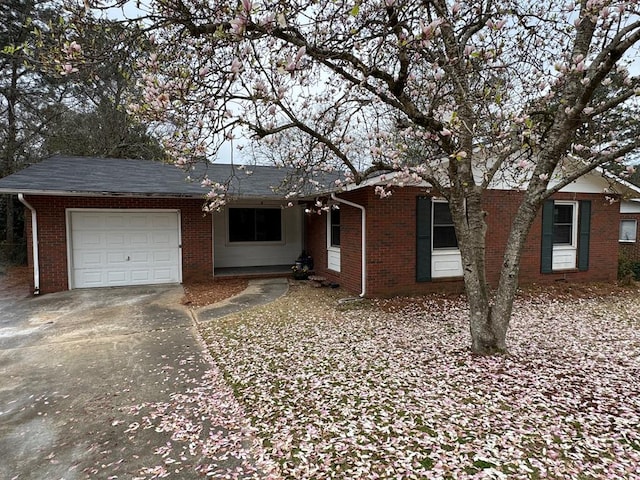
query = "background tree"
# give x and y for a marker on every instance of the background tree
(93, 120)
(44, 110)
(25, 93)
(496, 89)
(105, 130)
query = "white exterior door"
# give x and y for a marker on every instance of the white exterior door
(121, 247)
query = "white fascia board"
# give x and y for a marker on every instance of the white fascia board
(382, 179)
(634, 188)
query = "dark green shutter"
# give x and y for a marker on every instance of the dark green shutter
(546, 255)
(583, 240)
(423, 239)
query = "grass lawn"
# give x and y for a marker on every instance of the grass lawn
(388, 389)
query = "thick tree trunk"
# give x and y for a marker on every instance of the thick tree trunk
(490, 316)
(487, 336)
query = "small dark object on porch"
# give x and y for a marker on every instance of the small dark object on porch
(305, 260)
(303, 266)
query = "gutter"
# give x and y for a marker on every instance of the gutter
(364, 239)
(34, 239)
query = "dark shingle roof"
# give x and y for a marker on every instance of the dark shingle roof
(61, 175)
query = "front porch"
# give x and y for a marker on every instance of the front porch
(267, 271)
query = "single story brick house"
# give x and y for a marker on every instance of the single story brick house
(410, 246)
(94, 222)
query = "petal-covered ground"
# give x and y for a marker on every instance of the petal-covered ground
(389, 390)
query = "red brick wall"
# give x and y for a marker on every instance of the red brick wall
(630, 250)
(391, 242)
(197, 246)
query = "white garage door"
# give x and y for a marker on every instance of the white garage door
(116, 247)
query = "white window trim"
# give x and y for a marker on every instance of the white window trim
(439, 249)
(574, 223)
(445, 255)
(571, 249)
(635, 228)
(333, 252)
(329, 225)
(283, 232)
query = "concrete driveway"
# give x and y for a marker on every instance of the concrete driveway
(87, 375)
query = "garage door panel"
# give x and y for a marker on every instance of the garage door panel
(124, 248)
(115, 240)
(139, 222)
(116, 277)
(160, 223)
(161, 239)
(141, 257)
(140, 239)
(93, 222)
(141, 276)
(112, 221)
(163, 257)
(88, 258)
(115, 257)
(91, 239)
(161, 275)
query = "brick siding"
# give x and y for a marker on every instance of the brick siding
(197, 246)
(631, 250)
(391, 242)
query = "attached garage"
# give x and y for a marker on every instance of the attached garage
(109, 248)
(102, 222)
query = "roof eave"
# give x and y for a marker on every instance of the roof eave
(617, 179)
(67, 193)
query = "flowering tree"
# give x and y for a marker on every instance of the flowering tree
(455, 93)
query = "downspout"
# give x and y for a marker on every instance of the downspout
(364, 239)
(34, 239)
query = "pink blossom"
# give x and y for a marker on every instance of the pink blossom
(68, 69)
(524, 164)
(236, 65)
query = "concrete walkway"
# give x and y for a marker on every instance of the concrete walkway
(259, 292)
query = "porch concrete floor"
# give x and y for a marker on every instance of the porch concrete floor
(253, 272)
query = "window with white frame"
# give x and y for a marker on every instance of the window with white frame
(564, 223)
(255, 224)
(565, 235)
(333, 239)
(444, 232)
(446, 261)
(628, 230)
(334, 227)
